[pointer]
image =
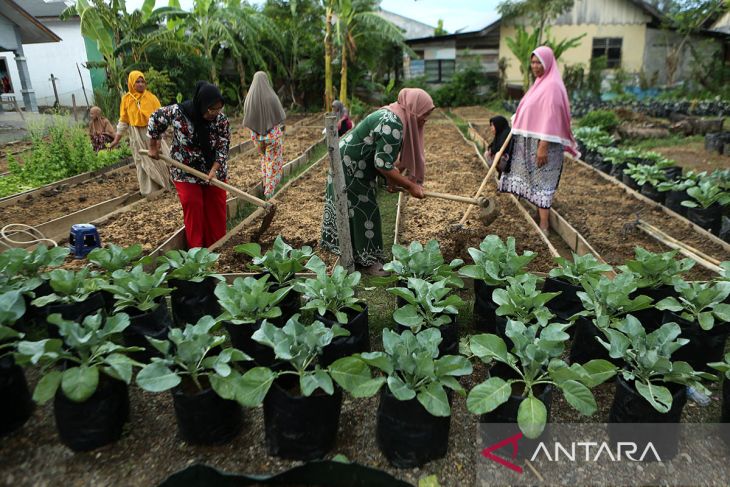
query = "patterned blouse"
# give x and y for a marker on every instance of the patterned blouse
(184, 150)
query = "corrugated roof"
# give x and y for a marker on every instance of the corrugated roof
(32, 31)
(41, 8)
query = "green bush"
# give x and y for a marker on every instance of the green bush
(60, 150)
(463, 89)
(604, 119)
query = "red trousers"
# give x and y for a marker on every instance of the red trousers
(204, 213)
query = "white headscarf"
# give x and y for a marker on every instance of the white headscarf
(262, 108)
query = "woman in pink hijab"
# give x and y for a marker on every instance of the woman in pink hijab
(370, 150)
(541, 133)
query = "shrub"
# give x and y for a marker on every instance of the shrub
(604, 119)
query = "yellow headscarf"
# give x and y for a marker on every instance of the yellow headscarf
(136, 108)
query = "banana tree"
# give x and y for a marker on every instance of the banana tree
(354, 21)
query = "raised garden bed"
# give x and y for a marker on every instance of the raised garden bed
(45, 206)
(453, 167)
(603, 213)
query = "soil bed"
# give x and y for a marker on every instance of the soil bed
(244, 170)
(45, 207)
(152, 222)
(453, 167)
(240, 134)
(474, 113)
(606, 224)
(298, 220)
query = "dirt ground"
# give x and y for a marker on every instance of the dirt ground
(45, 207)
(474, 114)
(453, 167)
(694, 156)
(240, 134)
(606, 222)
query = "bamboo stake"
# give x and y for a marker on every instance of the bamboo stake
(677, 245)
(340, 193)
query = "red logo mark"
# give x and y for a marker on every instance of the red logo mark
(487, 452)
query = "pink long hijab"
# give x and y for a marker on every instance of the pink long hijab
(544, 111)
(412, 107)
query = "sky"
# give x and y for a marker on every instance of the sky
(464, 15)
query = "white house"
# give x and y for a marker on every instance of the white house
(64, 60)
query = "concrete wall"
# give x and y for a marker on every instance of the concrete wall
(59, 59)
(632, 51)
(8, 38)
(658, 46)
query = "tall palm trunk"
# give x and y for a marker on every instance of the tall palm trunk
(328, 90)
(343, 75)
(242, 76)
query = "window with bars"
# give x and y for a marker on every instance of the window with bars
(440, 70)
(610, 47)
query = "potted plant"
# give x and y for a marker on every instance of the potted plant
(332, 297)
(600, 162)
(193, 280)
(202, 379)
(651, 386)
(705, 204)
(724, 368)
(246, 304)
(604, 301)
(676, 192)
(141, 295)
(494, 262)
(656, 273)
(112, 258)
(282, 261)
(16, 405)
(566, 278)
(86, 373)
(301, 403)
(701, 313)
(522, 301)
(429, 305)
(648, 177)
(632, 169)
(414, 413)
(75, 294)
(617, 159)
(520, 389)
(423, 262)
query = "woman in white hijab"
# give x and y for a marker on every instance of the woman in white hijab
(264, 116)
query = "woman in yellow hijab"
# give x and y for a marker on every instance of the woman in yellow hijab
(134, 113)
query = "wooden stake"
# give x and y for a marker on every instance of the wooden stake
(73, 104)
(340, 193)
(495, 161)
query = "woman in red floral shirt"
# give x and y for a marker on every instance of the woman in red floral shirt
(201, 139)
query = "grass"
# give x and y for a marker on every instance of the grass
(461, 124)
(671, 141)
(497, 107)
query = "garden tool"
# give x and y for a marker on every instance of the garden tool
(494, 213)
(268, 206)
(487, 208)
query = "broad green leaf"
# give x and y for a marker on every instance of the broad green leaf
(47, 387)
(486, 346)
(658, 396)
(253, 386)
(353, 375)
(434, 399)
(455, 365)
(579, 396)
(400, 389)
(531, 417)
(79, 383)
(488, 395)
(157, 377)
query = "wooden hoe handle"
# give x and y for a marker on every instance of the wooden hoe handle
(215, 182)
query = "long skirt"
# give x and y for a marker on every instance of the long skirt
(152, 174)
(536, 184)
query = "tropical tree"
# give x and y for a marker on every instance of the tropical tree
(355, 20)
(124, 37)
(537, 11)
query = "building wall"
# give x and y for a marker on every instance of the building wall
(658, 45)
(59, 59)
(632, 58)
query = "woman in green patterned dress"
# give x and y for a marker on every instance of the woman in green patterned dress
(370, 150)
